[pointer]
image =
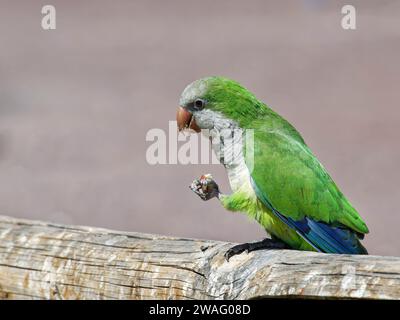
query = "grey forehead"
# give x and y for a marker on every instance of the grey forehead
(194, 90)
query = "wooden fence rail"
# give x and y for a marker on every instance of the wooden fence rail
(49, 261)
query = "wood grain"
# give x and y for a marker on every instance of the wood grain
(48, 261)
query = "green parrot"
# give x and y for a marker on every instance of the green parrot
(284, 188)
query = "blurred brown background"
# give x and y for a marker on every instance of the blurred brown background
(77, 102)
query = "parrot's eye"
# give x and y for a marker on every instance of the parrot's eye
(199, 104)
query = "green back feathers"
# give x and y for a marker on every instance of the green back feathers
(297, 184)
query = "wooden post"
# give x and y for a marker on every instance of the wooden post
(49, 261)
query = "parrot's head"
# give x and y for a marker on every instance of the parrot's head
(214, 102)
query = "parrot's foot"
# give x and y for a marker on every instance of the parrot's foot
(252, 246)
(205, 187)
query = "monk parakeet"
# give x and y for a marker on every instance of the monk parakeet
(286, 189)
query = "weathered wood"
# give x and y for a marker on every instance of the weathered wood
(48, 261)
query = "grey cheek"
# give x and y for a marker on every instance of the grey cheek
(204, 121)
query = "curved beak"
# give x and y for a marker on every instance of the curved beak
(185, 120)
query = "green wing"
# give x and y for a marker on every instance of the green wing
(291, 181)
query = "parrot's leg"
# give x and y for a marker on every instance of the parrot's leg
(205, 187)
(252, 246)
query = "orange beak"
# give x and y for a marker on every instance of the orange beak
(185, 120)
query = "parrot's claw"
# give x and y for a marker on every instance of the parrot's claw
(205, 187)
(252, 246)
(238, 249)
